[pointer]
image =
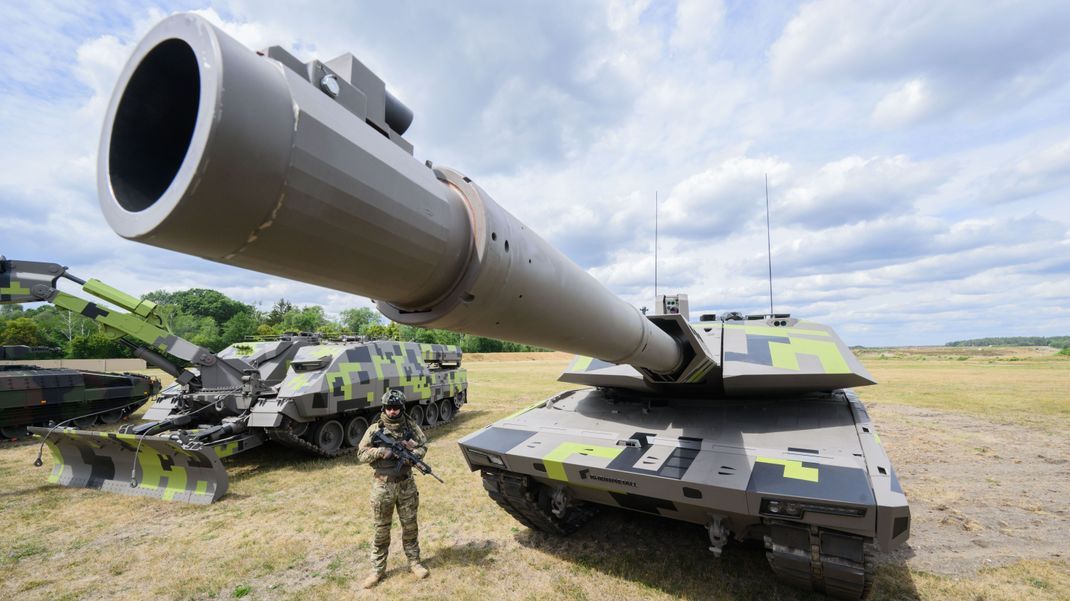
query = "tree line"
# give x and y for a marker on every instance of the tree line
(213, 320)
(1053, 341)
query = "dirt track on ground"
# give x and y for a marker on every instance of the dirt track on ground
(981, 494)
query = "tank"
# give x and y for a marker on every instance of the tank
(296, 390)
(320, 395)
(32, 395)
(745, 426)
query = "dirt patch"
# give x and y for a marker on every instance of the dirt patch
(981, 494)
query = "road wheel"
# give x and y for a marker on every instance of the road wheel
(328, 435)
(86, 421)
(112, 416)
(355, 429)
(416, 413)
(445, 410)
(12, 432)
(431, 416)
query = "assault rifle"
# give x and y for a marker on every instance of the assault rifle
(382, 439)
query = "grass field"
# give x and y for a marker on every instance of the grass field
(298, 528)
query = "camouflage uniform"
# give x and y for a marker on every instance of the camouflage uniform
(389, 490)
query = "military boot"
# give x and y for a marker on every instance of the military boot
(373, 579)
(419, 570)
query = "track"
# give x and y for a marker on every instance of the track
(837, 564)
(529, 502)
(288, 438)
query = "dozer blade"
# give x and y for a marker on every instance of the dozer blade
(164, 469)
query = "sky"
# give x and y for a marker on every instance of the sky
(917, 152)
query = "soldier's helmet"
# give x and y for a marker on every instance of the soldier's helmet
(393, 398)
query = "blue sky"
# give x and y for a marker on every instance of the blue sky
(918, 153)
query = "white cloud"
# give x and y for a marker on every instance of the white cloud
(917, 152)
(909, 103)
(698, 24)
(854, 189)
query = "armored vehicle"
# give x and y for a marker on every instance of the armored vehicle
(743, 425)
(34, 395)
(297, 390)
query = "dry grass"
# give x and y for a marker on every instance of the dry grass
(298, 528)
(1024, 385)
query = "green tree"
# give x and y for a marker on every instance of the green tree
(21, 330)
(379, 331)
(307, 319)
(330, 329)
(201, 302)
(279, 311)
(96, 345)
(201, 331)
(357, 320)
(59, 326)
(238, 327)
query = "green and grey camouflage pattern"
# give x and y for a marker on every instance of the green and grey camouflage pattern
(128, 464)
(328, 394)
(297, 390)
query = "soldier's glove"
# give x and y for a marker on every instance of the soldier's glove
(385, 453)
(410, 444)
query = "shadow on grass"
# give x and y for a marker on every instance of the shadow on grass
(467, 554)
(449, 428)
(673, 557)
(30, 489)
(23, 441)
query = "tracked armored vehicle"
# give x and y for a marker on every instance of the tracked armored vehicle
(762, 441)
(744, 426)
(297, 390)
(33, 395)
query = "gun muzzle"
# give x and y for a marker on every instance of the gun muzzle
(283, 167)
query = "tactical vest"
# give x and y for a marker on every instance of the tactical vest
(387, 466)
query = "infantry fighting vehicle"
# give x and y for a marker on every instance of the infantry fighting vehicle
(297, 390)
(35, 395)
(744, 426)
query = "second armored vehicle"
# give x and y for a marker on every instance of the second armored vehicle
(296, 390)
(33, 395)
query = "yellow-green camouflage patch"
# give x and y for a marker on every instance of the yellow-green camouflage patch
(793, 469)
(555, 458)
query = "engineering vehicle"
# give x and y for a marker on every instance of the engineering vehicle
(35, 395)
(743, 425)
(296, 390)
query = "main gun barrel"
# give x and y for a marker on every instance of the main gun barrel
(299, 170)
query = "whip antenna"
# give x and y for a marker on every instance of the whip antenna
(768, 244)
(655, 243)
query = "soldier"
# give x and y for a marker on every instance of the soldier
(390, 488)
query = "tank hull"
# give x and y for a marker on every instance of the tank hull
(739, 467)
(32, 395)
